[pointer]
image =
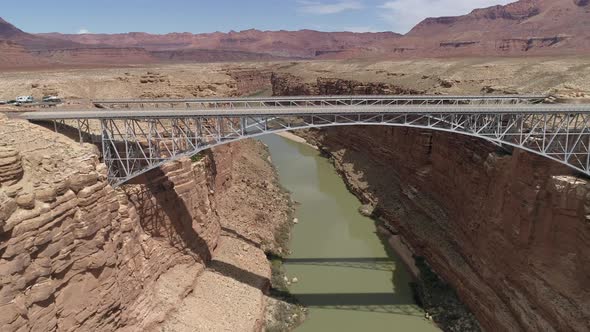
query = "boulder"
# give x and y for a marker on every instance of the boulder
(26, 201)
(366, 210)
(81, 180)
(7, 207)
(46, 194)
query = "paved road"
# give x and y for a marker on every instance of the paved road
(297, 111)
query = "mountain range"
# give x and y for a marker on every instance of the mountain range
(525, 27)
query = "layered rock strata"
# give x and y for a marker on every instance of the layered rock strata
(509, 231)
(78, 255)
(290, 85)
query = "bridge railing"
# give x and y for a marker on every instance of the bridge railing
(319, 101)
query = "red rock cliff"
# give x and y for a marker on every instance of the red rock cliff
(510, 232)
(77, 255)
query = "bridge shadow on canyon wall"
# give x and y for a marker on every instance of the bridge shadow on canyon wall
(72, 132)
(365, 263)
(397, 302)
(166, 216)
(387, 302)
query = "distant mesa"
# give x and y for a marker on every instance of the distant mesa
(9, 31)
(525, 27)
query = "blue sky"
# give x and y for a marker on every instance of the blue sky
(163, 16)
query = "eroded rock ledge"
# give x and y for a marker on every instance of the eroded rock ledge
(510, 232)
(77, 255)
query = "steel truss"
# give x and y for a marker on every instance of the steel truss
(133, 146)
(140, 135)
(315, 101)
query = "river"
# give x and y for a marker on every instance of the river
(346, 277)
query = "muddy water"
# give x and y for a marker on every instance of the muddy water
(346, 277)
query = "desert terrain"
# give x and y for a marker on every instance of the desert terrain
(240, 230)
(497, 240)
(560, 76)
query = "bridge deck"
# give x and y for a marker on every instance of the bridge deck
(298, 111)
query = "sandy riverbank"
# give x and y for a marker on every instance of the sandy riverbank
(290, 136)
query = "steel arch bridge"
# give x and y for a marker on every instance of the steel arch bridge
(140, 135)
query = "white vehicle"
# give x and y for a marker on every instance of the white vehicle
(24, 99)
(51, 99)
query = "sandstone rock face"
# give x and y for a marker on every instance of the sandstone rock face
(332, 86)
(509, 231)
(290, 85)
(255, 208)
(517, 11)
(236, 277)
(251, 81)
(77, 255)
(11, 169)
(543, 26)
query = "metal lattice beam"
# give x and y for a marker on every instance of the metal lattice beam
(135, 141)
(315, 101)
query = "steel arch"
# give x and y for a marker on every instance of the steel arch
(136, 140)
(564, 138)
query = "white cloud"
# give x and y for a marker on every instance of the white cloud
(403, 15)
(321, 8)
(83, 31)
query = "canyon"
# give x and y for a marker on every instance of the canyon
(506, 233)
(506, 229)
(173, 252)
(186, 244)
(496, 238)
(78, 255)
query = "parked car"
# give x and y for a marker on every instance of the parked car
(11, 102)
(51, 99)
(25, 99)
(3, 102)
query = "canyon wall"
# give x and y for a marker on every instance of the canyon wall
(78, 255)
(250, 81)
(509, 231)
(291, 85)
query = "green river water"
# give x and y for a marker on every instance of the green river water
(346, 277)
